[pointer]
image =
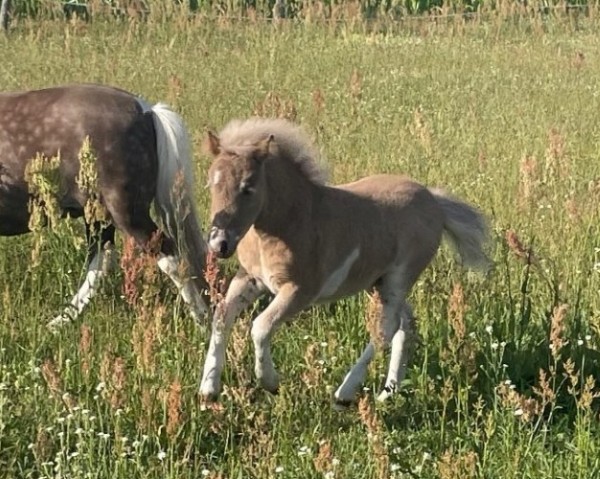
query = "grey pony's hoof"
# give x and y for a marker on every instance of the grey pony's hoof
(273, 391)
(67, 317)
(342, 404)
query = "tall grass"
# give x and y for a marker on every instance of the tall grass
(367, 9)
(502, 112)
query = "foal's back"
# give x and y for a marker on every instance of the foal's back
(393, 206)
(399, 215)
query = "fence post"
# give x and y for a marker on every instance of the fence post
(4, 14)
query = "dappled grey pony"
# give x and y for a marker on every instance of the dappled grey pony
(142, 154)
(306, 243)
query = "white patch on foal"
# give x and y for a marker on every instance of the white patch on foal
(337, 278)
(96, 270)
(217, 177)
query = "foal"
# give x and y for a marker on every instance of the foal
(141, 152)
(309, 243)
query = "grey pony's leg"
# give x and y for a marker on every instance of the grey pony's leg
(170, 264)
(100, 241)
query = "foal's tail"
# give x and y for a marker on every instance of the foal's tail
(467, 229)
(175, 190)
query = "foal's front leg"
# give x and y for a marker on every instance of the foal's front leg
(242, 291)
(288, 301)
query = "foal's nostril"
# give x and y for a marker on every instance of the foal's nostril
(223, 247)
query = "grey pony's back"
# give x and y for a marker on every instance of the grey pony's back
(466, 228)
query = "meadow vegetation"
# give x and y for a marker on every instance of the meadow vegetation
(501, 110)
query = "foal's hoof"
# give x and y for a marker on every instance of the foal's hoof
(269, 383)
(270, 388)
(208, 401)
(208, 394)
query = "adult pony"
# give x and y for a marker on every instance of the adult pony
(142, 154)
(308, 243)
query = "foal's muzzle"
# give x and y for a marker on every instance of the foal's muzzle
(221, 242)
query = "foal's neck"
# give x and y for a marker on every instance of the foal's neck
(288, 201)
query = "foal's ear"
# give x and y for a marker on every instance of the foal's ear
(264, 148)
(211, 144)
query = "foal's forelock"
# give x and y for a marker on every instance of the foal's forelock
(290, 140)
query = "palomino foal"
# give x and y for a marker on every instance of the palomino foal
(308, 243)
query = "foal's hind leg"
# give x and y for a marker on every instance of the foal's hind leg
(346, 393)
(399, 355)
(99, 263)
(392, 292)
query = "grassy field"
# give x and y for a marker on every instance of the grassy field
(502, 112)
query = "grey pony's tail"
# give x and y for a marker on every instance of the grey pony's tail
(467, 229)
(175, 191)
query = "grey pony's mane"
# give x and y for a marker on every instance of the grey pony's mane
(291, 140)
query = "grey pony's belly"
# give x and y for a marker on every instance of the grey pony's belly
(14, 214)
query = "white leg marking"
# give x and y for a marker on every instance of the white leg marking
(337, 278)
(399, 354)
(348, 389)
(241, 293)
(170, 266)
(353, 380)
(96, 270)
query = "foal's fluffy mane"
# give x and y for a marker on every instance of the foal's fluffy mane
(292, 141)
